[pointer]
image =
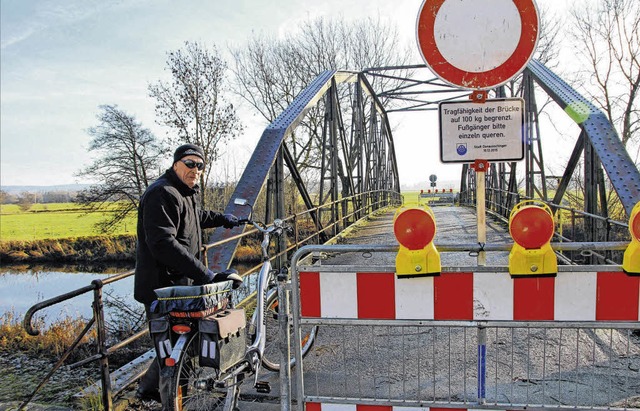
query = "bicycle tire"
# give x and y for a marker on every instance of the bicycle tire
(193, 387)
(272, 355)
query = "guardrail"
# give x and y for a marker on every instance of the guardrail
(438, 197)
(370, 201)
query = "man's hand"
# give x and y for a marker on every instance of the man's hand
(228, 275)
(230, 221)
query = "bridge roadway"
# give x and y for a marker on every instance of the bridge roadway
(454, 225)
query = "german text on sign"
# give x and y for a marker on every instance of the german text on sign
(492, 131)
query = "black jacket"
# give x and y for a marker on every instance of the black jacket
(170, 223)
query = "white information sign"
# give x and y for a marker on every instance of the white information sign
(493, 130)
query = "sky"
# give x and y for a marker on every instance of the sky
(61, 59)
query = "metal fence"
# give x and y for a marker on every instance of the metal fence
(498, 364)
(445, 364)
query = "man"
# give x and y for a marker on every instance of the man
(170, 224)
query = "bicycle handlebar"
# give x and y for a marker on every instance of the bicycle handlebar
(276, 227)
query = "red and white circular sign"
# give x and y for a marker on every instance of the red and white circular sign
(477, 44)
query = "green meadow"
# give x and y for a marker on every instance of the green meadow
(54, 221)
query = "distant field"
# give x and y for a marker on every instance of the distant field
(51, 221)
(410, 197)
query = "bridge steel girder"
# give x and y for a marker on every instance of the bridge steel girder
(599, 132)
(342, 163)
(598, 140)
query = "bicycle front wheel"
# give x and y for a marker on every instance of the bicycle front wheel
(194, 387)
(272, 355)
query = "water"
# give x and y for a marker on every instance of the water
(21, 288)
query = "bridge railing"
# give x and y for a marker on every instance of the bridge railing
(113, 383)
(573, 225)
(97, 320)
(307, 230)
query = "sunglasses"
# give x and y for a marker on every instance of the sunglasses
(193, 164)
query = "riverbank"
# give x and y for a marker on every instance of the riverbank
(70, 250)
(25, 360)
(22, 372)
(93, 250)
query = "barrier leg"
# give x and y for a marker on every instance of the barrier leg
(285, 344)
(482, 363)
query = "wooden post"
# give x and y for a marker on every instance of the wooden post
(481, 167)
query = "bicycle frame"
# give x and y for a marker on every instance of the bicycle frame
(258, 319)
(258, 325)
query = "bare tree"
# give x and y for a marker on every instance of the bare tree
(25, 200)
(607, 39)
(547, 50)
(6, 197)
(193, 102)
(270, 73)
(128, 161)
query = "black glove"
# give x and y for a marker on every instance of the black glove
(230, 221)
(208, 278)
(228, 275)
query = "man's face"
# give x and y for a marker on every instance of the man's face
(189, 176)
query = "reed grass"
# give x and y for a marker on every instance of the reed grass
(53, 341)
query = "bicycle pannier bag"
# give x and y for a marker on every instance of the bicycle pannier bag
(223, 339)
(159, 330)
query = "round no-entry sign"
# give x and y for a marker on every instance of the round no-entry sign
(477, 44)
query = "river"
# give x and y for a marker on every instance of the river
(21, 287)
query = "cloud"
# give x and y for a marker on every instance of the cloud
(23, 20)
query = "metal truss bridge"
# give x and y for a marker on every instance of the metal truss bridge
(330, 157)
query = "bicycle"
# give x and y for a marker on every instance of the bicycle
(203, 339)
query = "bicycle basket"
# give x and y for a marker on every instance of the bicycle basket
(190, 298)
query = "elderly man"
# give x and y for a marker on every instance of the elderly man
(170, 224)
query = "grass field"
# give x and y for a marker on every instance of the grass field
(52, 221)
(411, 198)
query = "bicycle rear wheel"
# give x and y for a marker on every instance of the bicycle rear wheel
(272, 356)
(196, 388)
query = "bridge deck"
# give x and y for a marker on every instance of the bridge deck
(454, 225)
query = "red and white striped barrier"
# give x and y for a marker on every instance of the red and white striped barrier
(570, 296)
(316, 406)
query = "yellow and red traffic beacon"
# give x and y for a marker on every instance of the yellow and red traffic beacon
(531, 226)
(415, 229)
(631, 259)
